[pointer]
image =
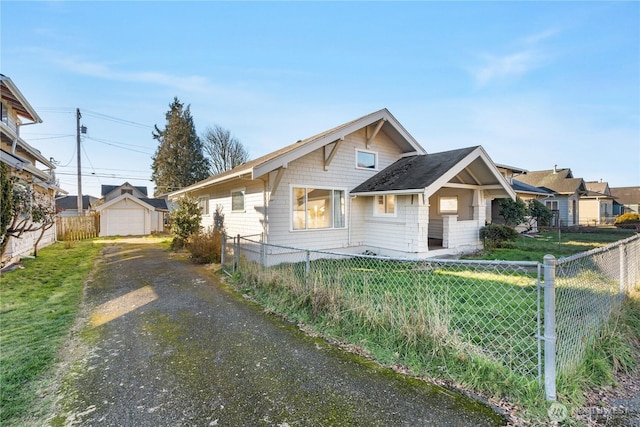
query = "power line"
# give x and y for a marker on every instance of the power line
(115, 119)
(102, 141)
(97, 175)
(50, 137)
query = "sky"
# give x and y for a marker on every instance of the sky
(537, 84)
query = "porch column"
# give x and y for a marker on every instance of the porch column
(448, 230)
(479, 207)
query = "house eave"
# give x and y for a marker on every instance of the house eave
(18, 102)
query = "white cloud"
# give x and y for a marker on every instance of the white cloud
(524, 58)
(508, 66)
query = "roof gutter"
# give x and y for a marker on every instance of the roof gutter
(208, 182)
(389, 192)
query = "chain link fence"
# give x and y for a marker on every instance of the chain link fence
(589, 287)
(491, 309)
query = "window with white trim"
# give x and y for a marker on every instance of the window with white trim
(551, 204)
(366, 160)
(203, 203)
(385, 205)
(237, 200)
(4, 114)
(448, 205)
(314, 208)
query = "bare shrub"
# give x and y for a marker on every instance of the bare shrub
(205, 246)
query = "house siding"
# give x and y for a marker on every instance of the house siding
(341, 174)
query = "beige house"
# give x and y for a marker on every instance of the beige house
(126, 210)
(366, 185)
(29, 166)
(596, 206)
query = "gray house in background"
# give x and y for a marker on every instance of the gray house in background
(568, 191)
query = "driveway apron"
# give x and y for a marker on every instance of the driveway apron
(169, 345)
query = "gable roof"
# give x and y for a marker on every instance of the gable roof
(463, 168)
(126, 197)
(561, 181)
(280, 158)
(600, 187)
(106, 189)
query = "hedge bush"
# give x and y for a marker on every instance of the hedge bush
(498, 236)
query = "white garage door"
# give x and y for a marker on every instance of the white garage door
(123, 222)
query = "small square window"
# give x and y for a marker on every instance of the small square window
(448, 205)
(366, 160)
(237, 201)
(203, 203)
(385, 205)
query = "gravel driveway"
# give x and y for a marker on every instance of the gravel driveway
(168, 345)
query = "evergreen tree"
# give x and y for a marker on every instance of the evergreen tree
(179, 160)
(225, 152)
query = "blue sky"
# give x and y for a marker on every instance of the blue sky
(535, 83)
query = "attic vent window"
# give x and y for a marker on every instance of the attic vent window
(366, 160)
(127, 191)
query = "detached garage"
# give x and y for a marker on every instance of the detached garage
(127, 215)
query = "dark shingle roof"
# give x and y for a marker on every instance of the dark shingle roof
(71, 202)
(156, 203)
(106, 189)
(561, 181)
(522, 187)
(414, 172)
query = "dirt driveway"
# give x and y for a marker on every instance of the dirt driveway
(168, 345)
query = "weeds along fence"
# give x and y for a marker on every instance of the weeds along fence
(70, 228)
(527, 320)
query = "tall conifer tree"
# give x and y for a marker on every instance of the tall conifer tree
(179, 160)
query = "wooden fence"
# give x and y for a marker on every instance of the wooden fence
(77, 227)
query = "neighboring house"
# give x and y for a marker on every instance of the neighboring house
(366, 185)
(524, 191)
(596, 207)
(627, 199)
(126, 210)
(68, 205)
(568, 191)
(26, 164)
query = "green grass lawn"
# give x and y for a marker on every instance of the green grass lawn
(38, 306)
(565, 244)
(474, 324)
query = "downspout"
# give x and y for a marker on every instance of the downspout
(15, 141)
(350, 215)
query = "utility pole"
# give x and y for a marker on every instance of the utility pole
(78, 115)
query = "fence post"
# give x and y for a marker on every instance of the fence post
(623, 270)
(307, 267)
(237, 253)
(223, 248)
(550, 327)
